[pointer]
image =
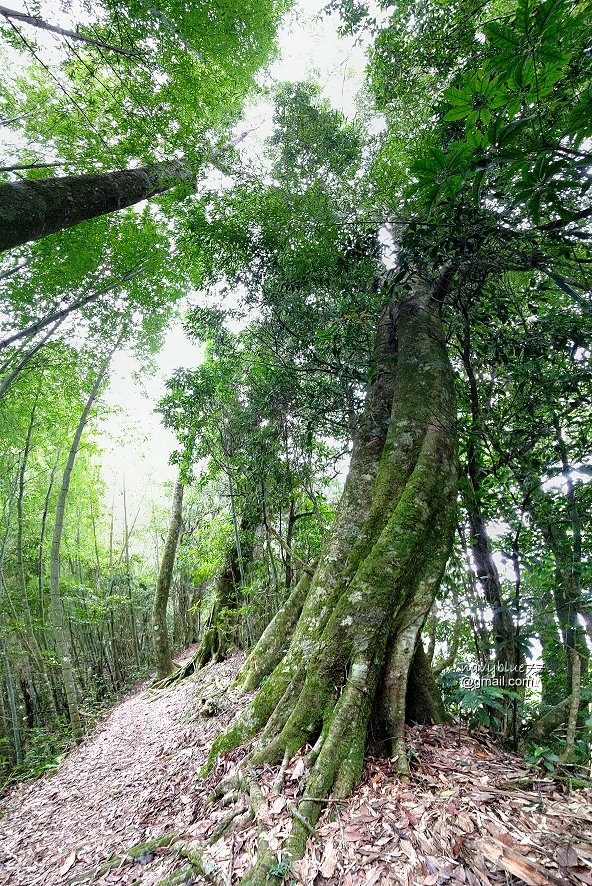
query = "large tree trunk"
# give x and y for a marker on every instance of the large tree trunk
(162, 646)
(348, 662)
(32, 208)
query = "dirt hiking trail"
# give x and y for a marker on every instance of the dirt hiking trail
(128, 782)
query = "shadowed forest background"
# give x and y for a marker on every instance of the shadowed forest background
(382, 454)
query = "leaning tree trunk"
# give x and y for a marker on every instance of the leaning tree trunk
(162, 647)
(33, 208)
(37, 22)
(57, 608)
(221, 629)
(349, 658)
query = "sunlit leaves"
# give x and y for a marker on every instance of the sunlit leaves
(196, 64)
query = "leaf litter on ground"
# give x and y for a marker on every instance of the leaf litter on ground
(469, 814)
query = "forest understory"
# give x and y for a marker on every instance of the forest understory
(128, 807)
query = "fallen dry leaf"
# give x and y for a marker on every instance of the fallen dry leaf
(68, 863)
(329, 862)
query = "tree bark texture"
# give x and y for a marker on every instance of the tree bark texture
(33, 208)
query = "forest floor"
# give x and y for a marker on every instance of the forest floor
(469, 814)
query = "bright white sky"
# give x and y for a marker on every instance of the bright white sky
(135, 442)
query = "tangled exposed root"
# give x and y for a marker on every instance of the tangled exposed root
(182, 671)
(198, 862)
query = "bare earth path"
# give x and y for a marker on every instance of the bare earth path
(131, 780)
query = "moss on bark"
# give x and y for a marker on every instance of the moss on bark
(33, 208)
(274, 641)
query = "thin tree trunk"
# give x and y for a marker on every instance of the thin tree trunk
(57, 609)
(5, 743)
(480, 630)
(31, 637)
(130, 601)
(14, 718)
(507, 651)
(16, 269)
(572, 570)
(38, 22)
(26, 357)
(60, 316)
(572, 720)
(40, 559)
(34, 208)
(162, 647)
(18, 167)
(567, 593)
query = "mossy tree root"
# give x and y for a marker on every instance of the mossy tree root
(204, 656)
(199, 861)
(181, 673)
(274, 641)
